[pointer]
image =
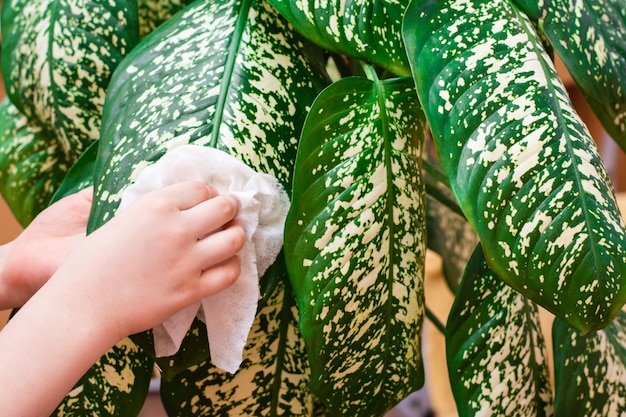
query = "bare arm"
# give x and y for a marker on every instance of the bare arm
(142, 267)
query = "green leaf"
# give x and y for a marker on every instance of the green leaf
(532, 8)
(225, 74)
(31, 165)
(590, 37)
(57, 59)
(271, 381)
(355, 244)
(520, 162)
(590, 370)
(116, 386)
(497, 359)
(366, 30)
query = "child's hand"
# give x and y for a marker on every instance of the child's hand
(37, 252)
(153, 259)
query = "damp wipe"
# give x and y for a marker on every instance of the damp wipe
(264, 204)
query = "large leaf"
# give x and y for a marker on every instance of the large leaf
(590, 37)
(497, 359)
(116, 386)
(57, 60)
(31, 165)
(226, 74)
(366, 30)
(590, 370)
(520, 162)
(222, 74)
(272, 380)
(355, 244)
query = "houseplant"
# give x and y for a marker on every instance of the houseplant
(328, 98)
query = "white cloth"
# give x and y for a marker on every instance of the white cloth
(263, 208)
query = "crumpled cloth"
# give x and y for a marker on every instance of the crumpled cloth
(263, 208)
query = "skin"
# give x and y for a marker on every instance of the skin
(30, 260)
(170, 249)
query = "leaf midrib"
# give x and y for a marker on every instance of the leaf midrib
(391, 202)
(233, 49)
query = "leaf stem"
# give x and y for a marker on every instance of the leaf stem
(435, 172)
(434, 320)
(435, 192)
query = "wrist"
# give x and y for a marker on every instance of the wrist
(85, 305)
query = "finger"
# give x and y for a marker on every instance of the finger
(219, 277)
(212, 215)
(221, 245)
(187, 194)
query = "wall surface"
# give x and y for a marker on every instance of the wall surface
(9, 229)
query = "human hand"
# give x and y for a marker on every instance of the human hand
(169, 249)
(37, 252)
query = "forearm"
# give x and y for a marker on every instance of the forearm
(44, 350)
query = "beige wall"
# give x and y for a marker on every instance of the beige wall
(9, 228)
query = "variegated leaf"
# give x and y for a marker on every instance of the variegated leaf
(31, 165)
(366, 30)
(520, 162)
(153, 13)
(590, 370)
(497, 358)
(355, 244)
(116, 386)
(272, 380)
(226, 74)
(590, 37)
(57, 60)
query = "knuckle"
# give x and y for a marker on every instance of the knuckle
(198, 187)
(234, 269)
(228, 207)
(238, 238)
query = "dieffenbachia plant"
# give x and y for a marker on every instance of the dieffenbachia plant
(356, 243)
(521, 163)
(336, 100)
